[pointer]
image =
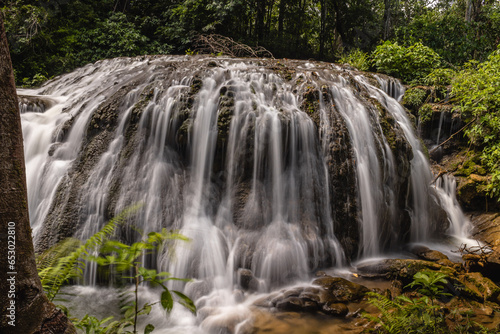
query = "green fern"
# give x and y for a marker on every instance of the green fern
(394, 316)
(65, 262)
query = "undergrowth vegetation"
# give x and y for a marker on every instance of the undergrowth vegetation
(421, 313)
(66, 262)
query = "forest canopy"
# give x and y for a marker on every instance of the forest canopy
(49, 37)
(450, 44)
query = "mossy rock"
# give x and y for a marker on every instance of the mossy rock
(335, 309)
(339, 290)
(310, 104)
(402, 269)
(479, 288)
(471, 166)
(471, 190)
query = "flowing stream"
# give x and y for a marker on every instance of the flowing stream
(274, 169)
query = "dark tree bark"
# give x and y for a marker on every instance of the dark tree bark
(281, 18)
(24, 308)
(322, 30)
(261, 12)
(339, 29)
(387, 18)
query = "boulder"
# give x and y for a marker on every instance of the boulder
(492, 267)
(479, 288)
(427, 254)
(247, 280)
(335, 309)
(486, 228)
(401, 269)
(339, 290)
(293, 304)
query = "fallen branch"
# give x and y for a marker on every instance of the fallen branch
(218, 44)
(479, 249)
(441, 173)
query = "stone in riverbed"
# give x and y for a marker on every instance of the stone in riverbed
(402, 269)
(427, 254)
(293, 304)
(339, 290)
(335, 309)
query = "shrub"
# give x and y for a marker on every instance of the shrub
(357, 58)
(410, 64)
(414, 97)
(477, 91)
(440, 77)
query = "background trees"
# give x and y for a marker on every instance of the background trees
(49, 37)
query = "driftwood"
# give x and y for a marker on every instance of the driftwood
(479, 249)
(217, 44)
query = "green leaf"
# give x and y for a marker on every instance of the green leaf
(149, 328)
(166, 300)
(186, 301)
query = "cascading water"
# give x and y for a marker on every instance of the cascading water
(270, 168)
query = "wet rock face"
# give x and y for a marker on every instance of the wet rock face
(247, 280)
(487, 228)
(427, 254)
(35, 104)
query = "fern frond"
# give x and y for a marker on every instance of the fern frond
(56, 271)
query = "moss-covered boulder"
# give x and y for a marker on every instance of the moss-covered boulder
(339, 290)
(401, 269)
(479, 288)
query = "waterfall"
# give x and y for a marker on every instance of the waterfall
(460, 226)
(275, 168)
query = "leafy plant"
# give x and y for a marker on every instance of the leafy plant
(477, 91)
(67, 260)
(411, 64)
(440, 77)
(425, 113)
(37, 80)
(357, 58)
(64, 262)
(123, 258)
(402, 315)
(414, 97)
(418, 315)
(92, 325)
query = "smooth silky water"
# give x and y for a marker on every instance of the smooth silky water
(236, 156)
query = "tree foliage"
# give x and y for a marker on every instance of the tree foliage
(477, 91)
(411, 63)
(49, 37)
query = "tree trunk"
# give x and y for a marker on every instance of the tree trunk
(24, 307)
(322, 29)
(387, 19)
(259, 20)
(281, 18)
(338, 23)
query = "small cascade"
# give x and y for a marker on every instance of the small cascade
(273, 170)
(460, 226)
(441, 118)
